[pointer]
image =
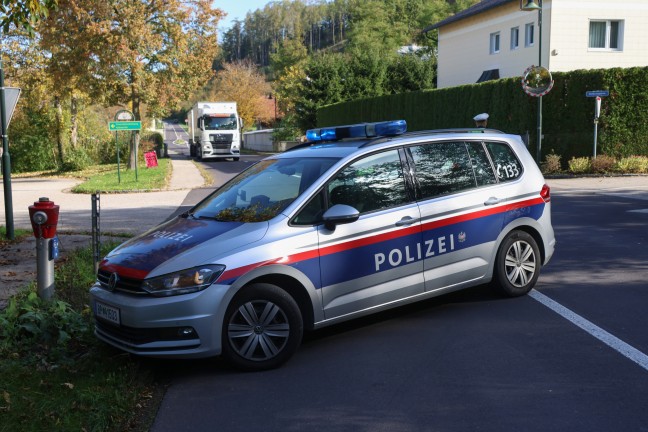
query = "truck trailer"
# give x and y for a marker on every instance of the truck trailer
(215, 130)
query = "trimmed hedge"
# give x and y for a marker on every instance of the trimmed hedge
(568, 127)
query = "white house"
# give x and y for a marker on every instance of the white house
(496, 39)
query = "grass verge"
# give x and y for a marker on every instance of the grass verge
(19, 234)
(110, 179)
(55, 375)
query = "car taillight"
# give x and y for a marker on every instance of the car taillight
(545, 193)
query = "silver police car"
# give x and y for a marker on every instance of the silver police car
(358, 219)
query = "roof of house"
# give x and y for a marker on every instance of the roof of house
(480, 7)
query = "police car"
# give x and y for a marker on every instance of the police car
(358, 219)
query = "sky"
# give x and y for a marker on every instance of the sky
(236, 9)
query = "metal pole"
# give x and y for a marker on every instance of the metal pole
(539, 121)
(95, 231)
(45, 269)
(6, 162)
(595, 135)
(134, 138)
(117, 145)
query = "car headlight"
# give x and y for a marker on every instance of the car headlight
(183, 282)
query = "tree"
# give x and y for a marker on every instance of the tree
(290, 53)
(240, 82)
(24, 14)
(378, 25)
(142, 52)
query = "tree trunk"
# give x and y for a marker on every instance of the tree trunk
(60, 134)
(74, 122)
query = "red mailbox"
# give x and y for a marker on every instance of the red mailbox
(44, 218)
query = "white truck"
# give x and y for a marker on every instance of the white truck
(215, 130)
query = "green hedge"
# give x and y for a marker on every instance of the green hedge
(568, 126)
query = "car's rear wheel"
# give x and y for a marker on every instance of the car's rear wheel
(263, 328)
(517, 265)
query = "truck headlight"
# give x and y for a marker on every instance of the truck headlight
(183, 282)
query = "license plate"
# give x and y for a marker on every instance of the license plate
(107, 313)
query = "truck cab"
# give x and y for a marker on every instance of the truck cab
(215, 130)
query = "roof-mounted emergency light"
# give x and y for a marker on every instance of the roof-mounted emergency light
(363, 130)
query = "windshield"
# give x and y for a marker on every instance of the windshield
(262, 191)
(220, 122)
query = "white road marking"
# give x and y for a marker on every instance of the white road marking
(607, 338)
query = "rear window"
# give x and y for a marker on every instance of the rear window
(442, 168)
(506, 164)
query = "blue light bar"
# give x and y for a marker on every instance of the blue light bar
(313, 135)
(363, 130)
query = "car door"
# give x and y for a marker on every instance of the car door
(378, 258)
(459, 211)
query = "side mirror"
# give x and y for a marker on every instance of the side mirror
(339, 214)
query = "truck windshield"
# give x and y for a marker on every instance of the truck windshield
(220, 123)
(262, 191)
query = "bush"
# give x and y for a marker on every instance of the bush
(603, 164)
(552, 164)
(580, 165)
(153, 137)
(45, 331)
(106, 153)
(76, 160)
(286, 130)
(633, 164)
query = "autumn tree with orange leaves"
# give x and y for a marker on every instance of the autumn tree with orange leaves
(137, 53)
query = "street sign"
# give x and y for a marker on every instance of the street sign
(597, 93)
(124, 115)
(11, 95)
(125, 125)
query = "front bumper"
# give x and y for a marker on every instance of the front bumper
(184, 326)
(214, 150)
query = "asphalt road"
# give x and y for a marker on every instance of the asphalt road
(468, 361)
(219, 170)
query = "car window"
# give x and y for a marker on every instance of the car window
(442, 168)
(482, 167)
(372, 183)
(262, 191)
(312, 212)
(507, 165)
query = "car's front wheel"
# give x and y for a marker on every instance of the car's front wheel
(263, 328)
(517, 266)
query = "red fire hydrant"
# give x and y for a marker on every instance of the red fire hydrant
(44, 218)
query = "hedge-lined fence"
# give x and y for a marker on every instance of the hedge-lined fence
(568, 128)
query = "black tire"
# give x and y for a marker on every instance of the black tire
(235, 159)
(517, 265)
(263, 328)
(192, 150)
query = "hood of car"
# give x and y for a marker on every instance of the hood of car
(180, 243)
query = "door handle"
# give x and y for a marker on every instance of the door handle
(406, 221)
(492, 201)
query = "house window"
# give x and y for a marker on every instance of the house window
(494, 43)
(606, 35)
(515, 38)
(529, 35)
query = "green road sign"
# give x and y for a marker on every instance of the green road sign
(125, 125)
